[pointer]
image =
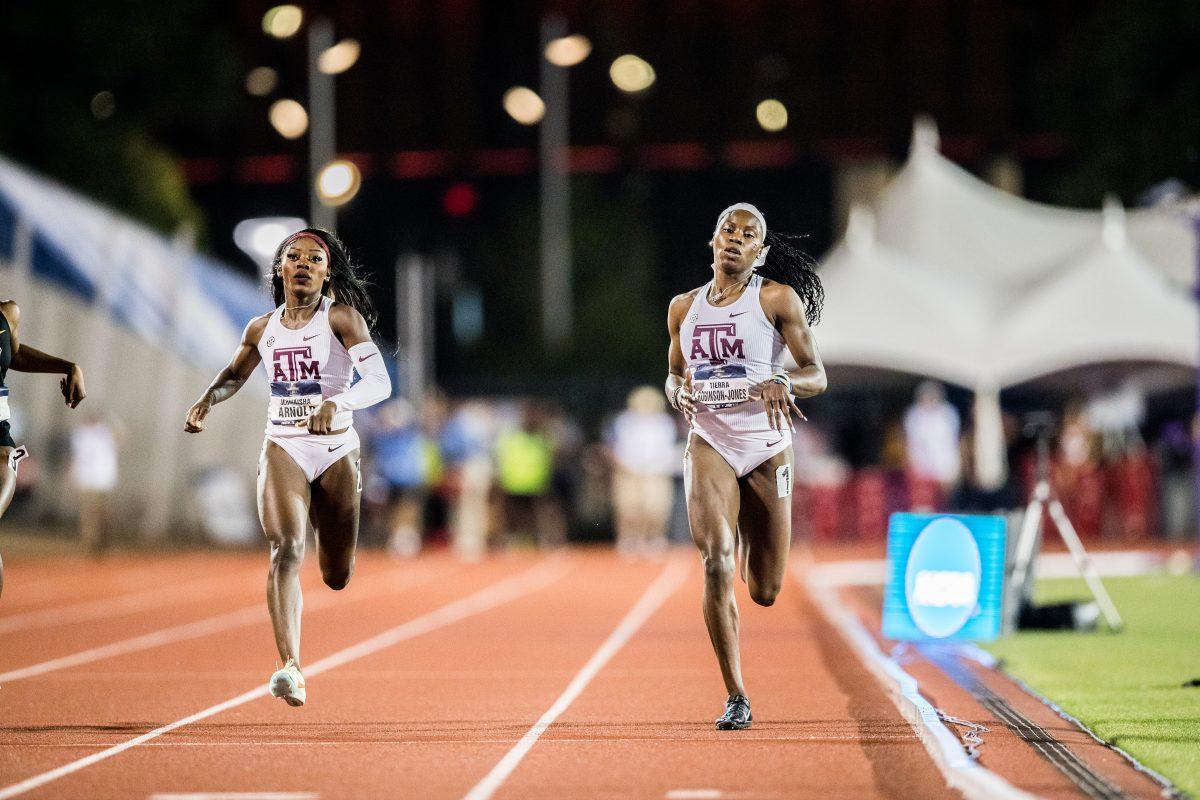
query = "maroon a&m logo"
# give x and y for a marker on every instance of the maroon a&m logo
(295, 364)
(716, 342)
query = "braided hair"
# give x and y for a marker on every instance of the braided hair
(789, 264)
(345, 284)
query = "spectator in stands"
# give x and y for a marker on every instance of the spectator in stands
(408, 462)
(524, 474)
(931, 428)
(466, 444)
(94, 474)
(646, 454)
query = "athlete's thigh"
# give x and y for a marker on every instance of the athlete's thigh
(335, 509)
(711, 488)
(283, 494)
(766, 518)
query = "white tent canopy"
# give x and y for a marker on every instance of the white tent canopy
(951, 278)
(956, 225)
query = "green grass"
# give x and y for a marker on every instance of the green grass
(1126, 687)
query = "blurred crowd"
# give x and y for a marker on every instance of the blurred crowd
(1120, 479)
(478, 474)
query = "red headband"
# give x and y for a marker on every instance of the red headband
(307, 234)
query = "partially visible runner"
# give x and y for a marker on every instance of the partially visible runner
(727, 376)
(319, 334)
(23, 358)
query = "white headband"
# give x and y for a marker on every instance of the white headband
(762, 223)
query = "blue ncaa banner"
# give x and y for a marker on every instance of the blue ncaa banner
(945, 577)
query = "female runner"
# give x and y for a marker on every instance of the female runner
(319, 333)
(23, 358)
(728, 340)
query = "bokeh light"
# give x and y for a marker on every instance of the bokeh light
(339, 58)
(524, 105)
(772, 115)
(338, 182)
(289, 118)
(568, 51)
(631, 74)
(282, 21)
(261, 81)
(104, 104)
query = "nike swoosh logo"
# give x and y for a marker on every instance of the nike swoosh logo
(738, 314)
(315, 335)
(364, 358)
(342, 445)
(772, 444)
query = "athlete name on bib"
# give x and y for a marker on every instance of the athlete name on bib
(722, 392)
(3, 405)
(720, 385)
(293, 401)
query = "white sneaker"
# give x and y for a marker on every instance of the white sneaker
(288, 684)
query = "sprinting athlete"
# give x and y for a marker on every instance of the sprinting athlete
(727, 376)
(23, 358)
(310, 344)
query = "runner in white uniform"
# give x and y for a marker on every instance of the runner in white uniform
(728, 342)
(310, 345)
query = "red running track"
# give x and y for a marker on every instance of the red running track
(428, 679)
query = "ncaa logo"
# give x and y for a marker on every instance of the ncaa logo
(941, 582)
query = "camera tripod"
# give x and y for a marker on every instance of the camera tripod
(1045, 499)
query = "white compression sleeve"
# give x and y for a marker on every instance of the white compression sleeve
(373, 385)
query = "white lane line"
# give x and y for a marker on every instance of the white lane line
(235, 796)
(947, 753)
(248, 615)
(484, 600)
(1110, 564)
(120, 605)
(667, 582)
(693, 794)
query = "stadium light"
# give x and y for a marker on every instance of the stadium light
(772, 115)
(339, 58)
(104, 104)
(261, 81)
(258, 237)
(567, 51)
(288, 118)
(524, 105)
(338, 182)
(631, 74)
(282, 22)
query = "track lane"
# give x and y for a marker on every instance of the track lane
(427, 718)
(644, 728)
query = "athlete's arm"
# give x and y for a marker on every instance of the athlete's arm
(679, 380)
(785, 310)
(373, 384)
(28, 359)
(232, 377)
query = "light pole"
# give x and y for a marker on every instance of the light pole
(322, 125)
(558, 308)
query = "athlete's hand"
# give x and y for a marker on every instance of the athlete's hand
(321, 422)
(684, 400)
(779, 402)
(72, 386)
(195, 416)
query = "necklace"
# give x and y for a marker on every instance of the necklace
(306, 305)
(716, 297)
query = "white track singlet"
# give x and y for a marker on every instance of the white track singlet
(728, 351)
(304, 367)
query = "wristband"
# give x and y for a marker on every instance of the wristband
(784, 380)
(675, 397)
